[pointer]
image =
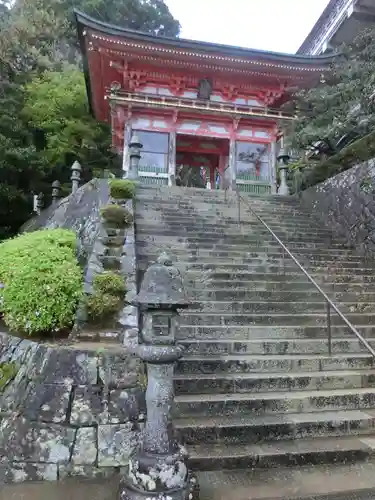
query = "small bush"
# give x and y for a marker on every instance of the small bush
(102, 306)
(121, 189)
(41, 281)
(116, 216)
(108, 297)
(109, 283)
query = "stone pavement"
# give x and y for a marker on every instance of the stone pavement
(70, 489)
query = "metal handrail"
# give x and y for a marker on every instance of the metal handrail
(329, 302)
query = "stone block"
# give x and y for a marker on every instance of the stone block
(85, 447)
(25, 441)
(116, 443)
(89, 406)
(48, 402)
(20, 472)
(126, 405)
(118, 370)
(60, 365)
(86, 471)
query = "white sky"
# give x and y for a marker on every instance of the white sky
(278, 25)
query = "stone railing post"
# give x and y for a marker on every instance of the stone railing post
(56, 186)
(134, 156)
(159, 468)
(283, 159)
(76, 176)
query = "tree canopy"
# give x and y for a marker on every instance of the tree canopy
(342, 106)
(44, 119)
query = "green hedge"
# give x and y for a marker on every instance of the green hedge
(108, 297)
(358, 152)
(121, 189)
(41, 282)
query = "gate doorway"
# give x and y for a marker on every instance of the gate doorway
(200, 160)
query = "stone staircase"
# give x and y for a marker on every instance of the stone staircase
(262, 407)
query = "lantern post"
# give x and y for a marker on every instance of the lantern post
(158, 470)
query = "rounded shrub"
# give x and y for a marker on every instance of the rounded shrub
(108, 296)
(41, 281)
(116, 216)
(121, 189)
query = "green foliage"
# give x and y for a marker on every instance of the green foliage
(359, 151)
(121, 189)
(343, 106)
(108, 296)
(7, 372)
(42, 282)
(45, 123)
(110, 283)
(116, 216)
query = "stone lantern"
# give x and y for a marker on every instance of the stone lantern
(76, 176)
(135, 147)
(56, 186)
(283, 160)
(159, 468)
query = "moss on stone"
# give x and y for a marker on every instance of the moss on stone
(7, 372)
(142, 376)
(116, 216)
(121, 189)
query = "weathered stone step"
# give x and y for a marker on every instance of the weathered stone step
(206, 257)
(280, 295)
(347, 449)
(221, 221)
(223, 243)
(349, 481)
(226, 383)
(322, 276)
(289, 267)
(247, 227)
(264, 332)
(273, 346)
(277, 319)
(277, 284)
(240, 237)
(273, 363)
(265, 307)
(270, 403)
(245, 429)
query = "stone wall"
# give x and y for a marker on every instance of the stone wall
(68, 410)
(76, 408)
(345, 203)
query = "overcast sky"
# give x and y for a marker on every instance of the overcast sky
(278, 25)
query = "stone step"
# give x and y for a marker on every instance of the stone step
(264, 332)
(282, 231)
(280, 295)
(250, 404)
(349, 481)
(301, 452)
(188, 318)
(321, 277)
(246, 363)
(252, 267)
(144, 217)
(245, 429)
(234, 236)
(279, 283)
(265, 307)
(227, 383)
(273, 346)
(262, 251)
(186, 258)
(223, 244)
